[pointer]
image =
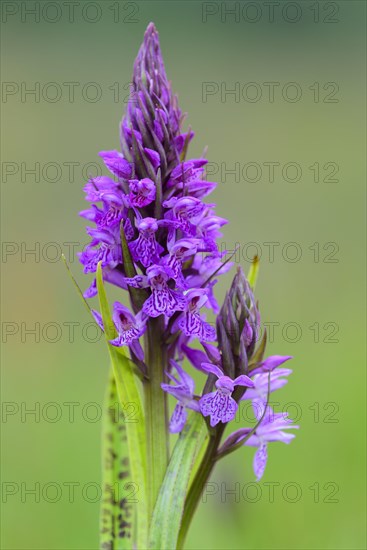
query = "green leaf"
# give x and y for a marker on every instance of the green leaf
(117, 511)
(128, 394)
(199, 457)
(253, 272)
(169, 507)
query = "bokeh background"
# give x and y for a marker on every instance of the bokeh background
(311, 288)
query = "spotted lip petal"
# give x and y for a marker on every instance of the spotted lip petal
(163, 302)
(220, 407)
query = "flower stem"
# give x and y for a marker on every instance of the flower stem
(155, 409)
(198, 484)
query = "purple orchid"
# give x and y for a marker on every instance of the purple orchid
(154, 237)
(163, 300)
(145, 248)
(220, 405)
(179, 251)
(271, 363)
(116, 163)
(270, 429)
(261, 384)
(142, 192)
(129, 328)
(156, 195)
(183, 391)
(192, 323)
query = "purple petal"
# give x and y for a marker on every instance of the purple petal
(212, 369)
(116, 163)
(273, 362)
(193, 405)
(154, 157)
(178, 419)
(98, 318)
(139, 281)
(136, 348)
(195, 356)
(191, 324)
(164, 301)
(243, 380)
(260, 460)
(91, 290)
(117, 342)
(209, 332)
(261, 384)
(142, 192)
(219, 406)
(186, 378)
(145, 250)
(212, 352)
(181, 393)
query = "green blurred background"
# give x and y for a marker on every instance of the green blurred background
(316, 301)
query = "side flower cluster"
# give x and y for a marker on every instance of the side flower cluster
(238, 371)
(156, 237)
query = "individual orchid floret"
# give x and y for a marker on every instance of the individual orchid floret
(128, 326)
(191, 322)
(180, 251)
(142, 192)
(163, 300)
(261, 384)
(271, 363)
(220, 405)
(129, 329)
(104, 248)
(270, 429)
(188, 177)
(186, 212)
(209, 230)
(187, 171)
(183, 391)
(117, 164)
(101, 188)
(145, 248)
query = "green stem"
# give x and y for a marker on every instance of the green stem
(198, 485)
(155, 409)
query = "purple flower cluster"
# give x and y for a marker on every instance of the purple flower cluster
(156, 238)
(154, 196)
